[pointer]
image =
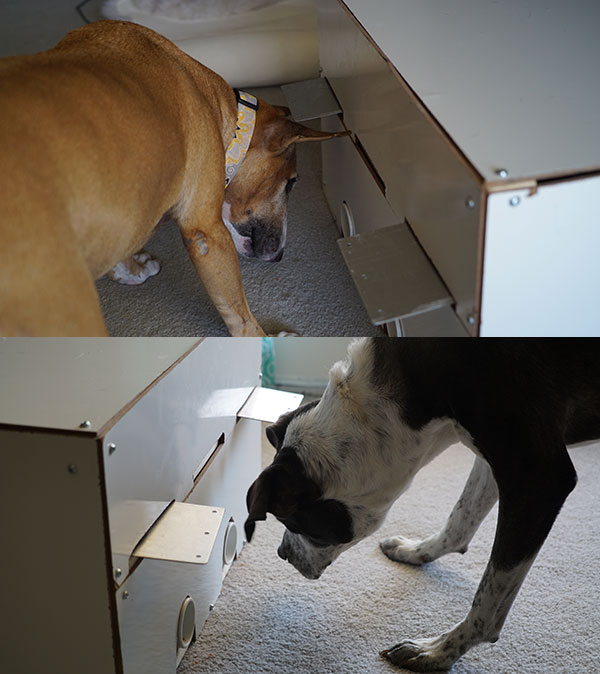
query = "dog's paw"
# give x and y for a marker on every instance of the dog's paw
(283, 333)
(421, 655)
(406, 550)
(135, 270)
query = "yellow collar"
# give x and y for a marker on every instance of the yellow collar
(246, 119)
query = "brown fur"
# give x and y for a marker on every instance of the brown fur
(101, 136)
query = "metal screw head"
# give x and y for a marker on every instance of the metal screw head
(501, 173)
(470, 203)
(111, 448)
(471, 319)
(85, 424)
(72, 468)
(125, 594)
(514, 201)
(118, 573)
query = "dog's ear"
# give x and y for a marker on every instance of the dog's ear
(289, 132)
(276, 432)
(279, 490)
(282, 111)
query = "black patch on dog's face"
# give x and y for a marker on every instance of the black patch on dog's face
(324, 522)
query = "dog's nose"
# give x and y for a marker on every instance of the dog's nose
(281, 553)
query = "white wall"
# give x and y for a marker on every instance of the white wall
(302, 363)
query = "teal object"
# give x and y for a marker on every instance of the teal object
(268, 362)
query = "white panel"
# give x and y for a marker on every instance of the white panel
(426, 180)
(160, 443)
(150, 599)
(541, 273)
(267, 404)
(346, 178)
(58, 383)
(56, 608)
(229, 476)
(310, 99)
(514, 83)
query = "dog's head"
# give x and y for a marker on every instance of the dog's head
(255, 206)
(331, 482)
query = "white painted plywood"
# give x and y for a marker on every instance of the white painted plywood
(541, 273)
(56, 610)
(514, 83)
(58, 383)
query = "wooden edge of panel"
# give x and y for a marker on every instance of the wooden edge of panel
(101, 432)
(110, 583)
(419, 103)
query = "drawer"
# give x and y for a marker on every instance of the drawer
(355, 198)
(154, 452)
(150, 602)
(425, 177)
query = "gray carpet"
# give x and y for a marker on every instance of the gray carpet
(308, 292)
(270, 619)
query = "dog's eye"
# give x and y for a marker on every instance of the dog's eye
(290, 184)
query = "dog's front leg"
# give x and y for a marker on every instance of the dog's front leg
(532, 490)
(211, 249)
(478, 497)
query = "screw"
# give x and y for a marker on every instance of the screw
(85, 424)
(211, 607)
(471, 319)
(502, 173)
(125, 594)
(470, 203)
(515, 201)
(111, 448)
(72, 468)
(118, 573)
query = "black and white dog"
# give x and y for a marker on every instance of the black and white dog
(394, 405)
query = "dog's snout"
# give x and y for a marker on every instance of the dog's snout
(281, 553)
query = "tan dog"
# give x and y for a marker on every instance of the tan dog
(103, 136)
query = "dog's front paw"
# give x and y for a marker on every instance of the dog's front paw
(406, 550)
(283, 333)
(421, 655)
(135, 269)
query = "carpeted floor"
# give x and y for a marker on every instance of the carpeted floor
(308, 292)
(269, 619)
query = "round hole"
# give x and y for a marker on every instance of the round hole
(230, 543)
(347, 220)
(186, 623)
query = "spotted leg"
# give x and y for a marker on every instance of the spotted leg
(478, 497)
(532, 488)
